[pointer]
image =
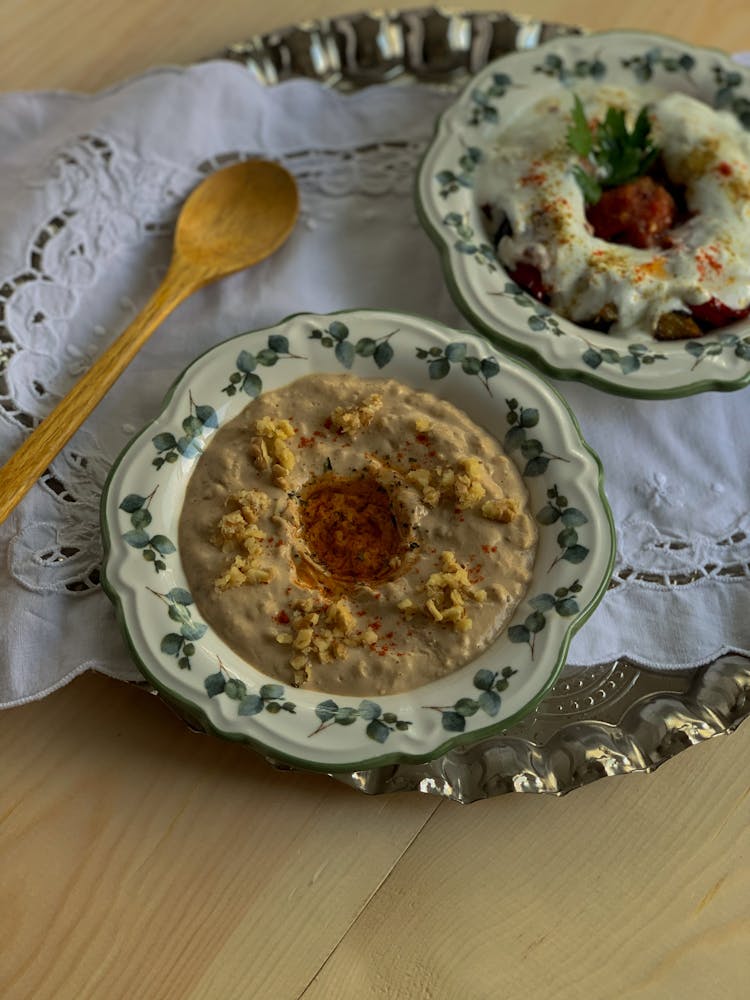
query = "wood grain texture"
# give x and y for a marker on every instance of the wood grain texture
(629, 887)
(89, 44)
(140, 860)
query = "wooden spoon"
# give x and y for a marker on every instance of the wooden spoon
(234, 218)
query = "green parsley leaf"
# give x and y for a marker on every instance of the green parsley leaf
(612, 155)
(579, 134)
(592, 189)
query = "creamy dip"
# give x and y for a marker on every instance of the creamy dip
(529, 181)
(356, 536)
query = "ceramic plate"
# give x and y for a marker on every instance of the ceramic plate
(628, 364)
(191, 666)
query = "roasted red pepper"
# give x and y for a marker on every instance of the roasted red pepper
(530, 279)
(714, 313)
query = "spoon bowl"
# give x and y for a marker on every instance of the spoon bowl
(236, 218)
(233, 219)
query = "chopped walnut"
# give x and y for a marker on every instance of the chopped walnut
(357, 417)
(420, 480)
(238, 530)
(468, 486)
(321, 633)
(503, 510)
(267, 448)
(447, 592)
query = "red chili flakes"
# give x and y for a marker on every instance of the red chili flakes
(375, 625)
(328, 423)
(533, 177)
(282, 617)
(494, 548)
(362, 612)
(389, 635)
(485, 548)
(724, 169)
(305, 442)
(706, 260)
(423, 438)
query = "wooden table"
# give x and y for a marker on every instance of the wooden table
(140, 860)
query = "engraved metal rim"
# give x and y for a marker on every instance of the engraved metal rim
(654, 716)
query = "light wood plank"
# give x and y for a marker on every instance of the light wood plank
(140, 859)
(638, 886)
(89, 44)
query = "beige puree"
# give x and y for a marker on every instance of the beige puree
(356, 536)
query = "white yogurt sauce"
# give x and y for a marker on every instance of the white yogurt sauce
(529, 179)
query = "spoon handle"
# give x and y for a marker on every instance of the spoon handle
(23, 469)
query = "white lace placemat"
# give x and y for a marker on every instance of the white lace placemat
(89, 189)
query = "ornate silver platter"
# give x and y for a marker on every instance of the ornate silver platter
(614, 718)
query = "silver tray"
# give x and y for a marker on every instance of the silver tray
(614, 718)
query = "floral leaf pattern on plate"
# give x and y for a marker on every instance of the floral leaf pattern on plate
(521, 419)
(700, 349)
(490, 684)
(484, 110)
(245, 379)
(153, 547)
(644, 65)
(180, 644)
(439, 363)
(563, 602)
(628, 361)
(463, 176)
(336, 335)
(189, 443)
(467, 242)
(380, 724)
(269, 698)
(556, 66)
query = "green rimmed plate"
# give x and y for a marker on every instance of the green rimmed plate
(193, 668)
(630, 364)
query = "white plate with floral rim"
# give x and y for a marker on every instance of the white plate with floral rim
(630, 364)
(197, 672)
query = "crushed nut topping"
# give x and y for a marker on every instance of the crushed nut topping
(322, 633)
(500, 510)
(447, 592)
(350, 421)
(267, 448)
(238, 529)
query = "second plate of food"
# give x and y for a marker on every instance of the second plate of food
(356, 539)
(590, 200)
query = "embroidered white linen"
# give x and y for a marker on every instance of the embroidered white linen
(89, 187)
